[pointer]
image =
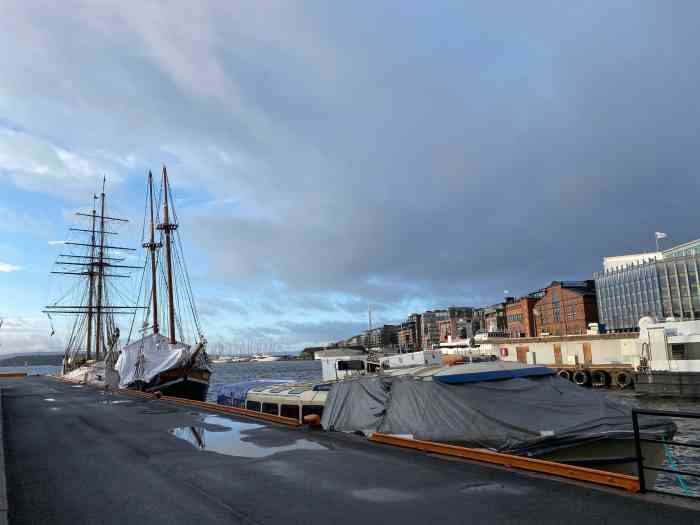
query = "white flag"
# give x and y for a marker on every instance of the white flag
(660, 235)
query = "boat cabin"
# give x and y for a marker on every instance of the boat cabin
(287, 400)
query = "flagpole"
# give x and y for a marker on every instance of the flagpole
(657, 242)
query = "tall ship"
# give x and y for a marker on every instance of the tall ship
(165, 349)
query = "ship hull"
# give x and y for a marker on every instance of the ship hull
(614, 455)
(179, 382)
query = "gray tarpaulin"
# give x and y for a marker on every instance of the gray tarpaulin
(356, 405)
(533, 415)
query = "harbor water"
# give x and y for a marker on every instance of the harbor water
(681, 458)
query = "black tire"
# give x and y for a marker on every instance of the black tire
(582, 378)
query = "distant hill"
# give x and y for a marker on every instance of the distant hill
(33, 360)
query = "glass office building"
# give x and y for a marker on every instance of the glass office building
(662, 288)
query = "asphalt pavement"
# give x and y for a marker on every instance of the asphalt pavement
(76, 455)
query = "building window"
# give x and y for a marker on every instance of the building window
(556, 311)
(571, 312)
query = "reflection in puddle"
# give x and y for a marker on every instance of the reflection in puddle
(115, 402)
(49, 399)
(77, 386)
(225, 436)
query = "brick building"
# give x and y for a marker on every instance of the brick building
(565, 308)
(519, 317)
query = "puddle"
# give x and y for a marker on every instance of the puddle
(115, 402)
(50, 399)
(77, 386)
(225, 436)
(384, 495)
(494, 488)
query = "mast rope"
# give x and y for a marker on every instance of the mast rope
(188, 283)
(143, 274)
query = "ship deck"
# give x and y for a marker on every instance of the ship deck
(77, 455)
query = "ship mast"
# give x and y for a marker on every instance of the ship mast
(152, 246)
(93, 310)
(167, 227)
(91, 286)
(100, 275)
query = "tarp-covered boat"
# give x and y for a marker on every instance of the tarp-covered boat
(539, 415)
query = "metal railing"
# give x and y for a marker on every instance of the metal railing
(673, 470)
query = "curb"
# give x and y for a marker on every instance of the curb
(3, 484)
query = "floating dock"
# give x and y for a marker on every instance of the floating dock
(74, 454)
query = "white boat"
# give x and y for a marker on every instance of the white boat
(264, 358)
(668, 361)
(222, 360)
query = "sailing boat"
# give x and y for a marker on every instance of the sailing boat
(157, 362)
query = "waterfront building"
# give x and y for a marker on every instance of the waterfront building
(454, 322)
(492, 319)
(520, 319)
(562, 308)
(663, 288)
(458, 325)
(683, 250)
(385, 336)
(429, 327)
(407, 336)
(566, 308)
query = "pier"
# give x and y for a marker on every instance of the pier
(74, 454)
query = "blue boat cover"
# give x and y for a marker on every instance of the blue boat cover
(475, 376)
(234, 394)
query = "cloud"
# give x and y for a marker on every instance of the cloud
(437, 155)
(37, 165)
(26, 335)
(8, 268)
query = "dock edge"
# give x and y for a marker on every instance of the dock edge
(3, 479)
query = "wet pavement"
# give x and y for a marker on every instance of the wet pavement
(77, 455)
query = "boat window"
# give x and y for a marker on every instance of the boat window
(351, 365)
(270, 408)
(311, 409)
(678, 351)
(290, 411)
(253, 405)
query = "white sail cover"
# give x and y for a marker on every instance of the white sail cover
(158, 356)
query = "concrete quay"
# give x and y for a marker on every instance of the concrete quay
(77, 455)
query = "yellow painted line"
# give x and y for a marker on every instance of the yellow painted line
(600, 477)
(13, 375)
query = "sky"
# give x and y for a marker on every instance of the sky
(329, 155)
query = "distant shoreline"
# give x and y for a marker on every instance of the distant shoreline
(33, 360)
